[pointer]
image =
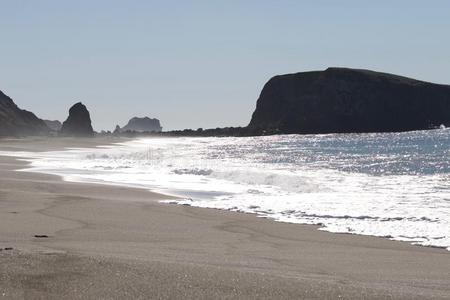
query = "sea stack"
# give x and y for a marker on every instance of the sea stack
(341, 100)
(18, 122)
(78, 123)
(116, 130)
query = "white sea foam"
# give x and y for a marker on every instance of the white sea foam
(389, 185)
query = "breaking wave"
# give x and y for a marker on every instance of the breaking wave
(393, 185)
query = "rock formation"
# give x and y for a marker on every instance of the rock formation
(142, 125)
(53, 125)
(78, 123)
(117, 129)
(17, 122)
(349, 100)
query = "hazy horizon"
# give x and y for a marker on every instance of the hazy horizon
(202, 63)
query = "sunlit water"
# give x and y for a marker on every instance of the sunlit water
(394, 185)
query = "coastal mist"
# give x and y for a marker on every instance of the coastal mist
(394, 185)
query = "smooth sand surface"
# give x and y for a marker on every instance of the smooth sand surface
(109, 242)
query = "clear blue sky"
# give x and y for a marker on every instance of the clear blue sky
(202, 63)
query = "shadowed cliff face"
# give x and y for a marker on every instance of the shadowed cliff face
(349, 100)
(17, 122)
(78, 123)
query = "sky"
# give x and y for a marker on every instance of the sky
(202, 64)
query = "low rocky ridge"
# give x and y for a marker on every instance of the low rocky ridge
(78, 123)
(53, 125)
(18, 122)
(340, 100)
(144, 124)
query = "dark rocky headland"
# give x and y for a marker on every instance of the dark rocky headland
(18, 122)
(340, 100)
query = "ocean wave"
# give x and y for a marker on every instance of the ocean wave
(387, 185)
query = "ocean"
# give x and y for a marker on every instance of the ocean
(392, 185)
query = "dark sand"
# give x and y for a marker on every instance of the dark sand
(119, 243)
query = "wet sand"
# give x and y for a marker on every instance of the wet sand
(110, 242)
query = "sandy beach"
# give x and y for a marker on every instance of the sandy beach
(86, 241)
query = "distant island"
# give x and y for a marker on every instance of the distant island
(336, 100)
(144, 124)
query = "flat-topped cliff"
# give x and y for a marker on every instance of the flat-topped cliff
(144, 124)
(349, 100)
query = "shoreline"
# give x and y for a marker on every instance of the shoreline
(110, 141)
(91, 225)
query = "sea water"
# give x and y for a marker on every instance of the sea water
(394, 185)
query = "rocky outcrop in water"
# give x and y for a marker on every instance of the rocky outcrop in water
(145, 124)
(18, 122)
(53, 125)
(340, 100)
(78, 123)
